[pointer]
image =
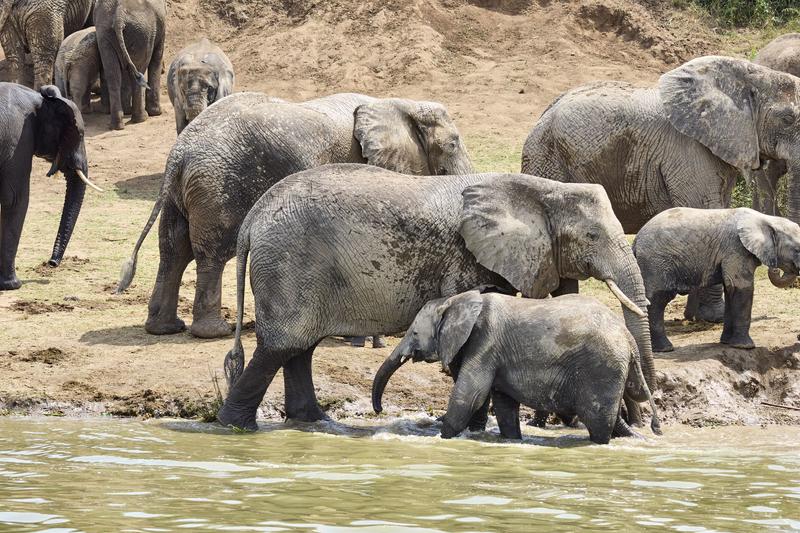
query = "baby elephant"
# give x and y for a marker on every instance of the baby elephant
(682, 249)
(199, 75)
(570, 355)
(77, 67)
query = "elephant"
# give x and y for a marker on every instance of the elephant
(238, 148)
(77, 67)
(39, 27)
(322, 239)
(200, 75)
(658, 148)
(783, 54)
(570, 355)
(684, 248)
(130, 35)
(46, 125)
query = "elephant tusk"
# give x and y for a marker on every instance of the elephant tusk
(624, 300)
(84, 179)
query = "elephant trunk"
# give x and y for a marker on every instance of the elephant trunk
(76, 189)
(781, 280)
(395, 360)
(630, 284)
(793, 191)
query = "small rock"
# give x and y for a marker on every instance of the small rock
(521, 91)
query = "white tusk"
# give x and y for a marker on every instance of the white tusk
(84, 179)
(624, 300)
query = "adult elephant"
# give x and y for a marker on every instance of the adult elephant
(38, 27)
(238, 148)
(42, 124)
(783, 54)
(322, 239)
(681, 143)
(130, 36)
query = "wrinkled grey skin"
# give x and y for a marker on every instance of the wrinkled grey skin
(238, 148)
(39, 27)
(682, 249)
(658, 148)
(77, 67)
(42, 124)
(783, 54)
(130, 35)
(570, 355)
(200, 75)
(324, 239)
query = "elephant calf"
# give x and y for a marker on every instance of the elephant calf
(78, 67)
(682, 249)
(570, 355)
(199, 75)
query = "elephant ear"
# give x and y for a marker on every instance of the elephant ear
(225, 83)
(458, 317)
(505, 225)
(711, 100)
(757, 236)
(61, 124)
(390, 137)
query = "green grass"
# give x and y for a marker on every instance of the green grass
(751, 13)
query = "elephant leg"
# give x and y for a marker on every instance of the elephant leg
(153, 105)
(506, 410)
(114, 82)
(539, 419)
(175, 250)
(633, 411)
(469, 394)
(207, 322)
(738, 308)
(480, 418)
(12, 218)
(126, 95)
(300, 400)
(621, 430)
(241, 405)
(357, 342)
(707, 305)
(378, 341)
(655, 315)
(566, 286)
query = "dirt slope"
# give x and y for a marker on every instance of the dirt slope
(68, 345)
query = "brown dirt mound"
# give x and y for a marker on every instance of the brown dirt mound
(48, 356)
(39, 307)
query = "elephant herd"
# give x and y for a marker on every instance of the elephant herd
(363, 216)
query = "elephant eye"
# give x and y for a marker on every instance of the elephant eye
(593, 235)
(787, 116)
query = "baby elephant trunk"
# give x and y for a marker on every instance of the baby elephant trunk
(398, 356)
(781, 280)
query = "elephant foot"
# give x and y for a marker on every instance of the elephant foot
(662, 344)
(164, 327)
(539, 419)
(622, 430)
(307, 413)
(154, 111)
(238, 418)
(448, 431)
(210, 328)
(378, 341)
(119, 126)
(138, 119)
(741, 341)
(10, 284)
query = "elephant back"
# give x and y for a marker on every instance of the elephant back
(782, 53)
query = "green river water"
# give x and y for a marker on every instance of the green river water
(62, 475)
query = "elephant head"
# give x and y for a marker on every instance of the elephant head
(59, 139)
(533, 232)
(410, 137)
(775, 242)
(202, 85)
(438, 332)
(742, 112)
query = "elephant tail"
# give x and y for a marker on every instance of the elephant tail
(655, 424)
(125, 57)
(234, 360)
(174, 166)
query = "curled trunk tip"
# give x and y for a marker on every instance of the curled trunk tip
(782, 280)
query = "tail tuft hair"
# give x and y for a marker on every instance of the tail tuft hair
(140, 81)
(234, 364)
(126, 276)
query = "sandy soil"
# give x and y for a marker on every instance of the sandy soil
(69, 346)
